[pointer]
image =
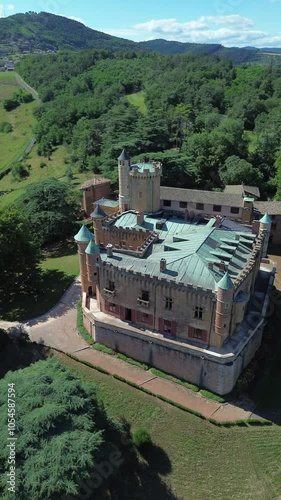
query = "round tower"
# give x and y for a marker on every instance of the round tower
(265, 226)
(225, 291)
(144, 182)
(124, 164)
(82, 238)
(98, 216)
(92, 255)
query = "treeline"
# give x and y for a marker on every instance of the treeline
(210, 122)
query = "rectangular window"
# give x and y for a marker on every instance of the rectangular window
(234, 210)
(168, 303)
(273, 217)
(145, 295)
(167, 326)
(199, 206)
(216, 208)
(166, 203)
(111, 286)
(112, 307)
(140, 194)
(274, 226)
(183, 204)
(197, 334)
(144, 318)
(198, 312)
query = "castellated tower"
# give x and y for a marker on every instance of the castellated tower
(265, 226)
(145, 187)
(225, 291)
(124, 164)
(88, 253)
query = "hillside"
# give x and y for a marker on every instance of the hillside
(237, 55)
(31, 32)
(48, 32)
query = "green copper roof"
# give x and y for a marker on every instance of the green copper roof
(92, 248)
(225, 283)
(83, 234)
(144, 166)
(266, 219)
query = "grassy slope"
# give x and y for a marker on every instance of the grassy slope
(13, 144)
(207, 462)
(138, 99)
(55, 167)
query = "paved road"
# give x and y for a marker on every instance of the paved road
(57, 329)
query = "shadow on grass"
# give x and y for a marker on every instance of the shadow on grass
(49, 287)
(18, 353)
(61, 249)
(136, 479)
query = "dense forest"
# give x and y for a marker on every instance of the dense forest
(208, 121)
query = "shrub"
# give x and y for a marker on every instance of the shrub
(5, 127)
(141, 438)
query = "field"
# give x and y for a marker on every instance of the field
(13, 144)
(55, 167)
(195, 458)
(137, 100)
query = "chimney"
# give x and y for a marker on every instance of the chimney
(256, 227)
(109, 250)
(218, 220)
(163, 263)
(140, 218)
(222, 266)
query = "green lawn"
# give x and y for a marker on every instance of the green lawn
(55, 167)
(138, 100)
(58, 272)
(8, 84)
(202, 461)
(12, 145)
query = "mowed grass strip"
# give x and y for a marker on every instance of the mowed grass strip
(207, 462)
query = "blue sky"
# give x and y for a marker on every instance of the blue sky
(230, 22)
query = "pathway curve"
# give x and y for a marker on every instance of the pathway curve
(57, 329)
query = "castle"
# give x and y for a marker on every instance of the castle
(186, 294)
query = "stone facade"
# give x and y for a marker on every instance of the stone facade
(93, 190)
(173, 295)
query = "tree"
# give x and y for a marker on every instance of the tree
(51, 209)
(61, 431)
(19, 256)
(238, 171)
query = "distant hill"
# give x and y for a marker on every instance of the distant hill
(33, 32)
(170, 47)
(47, 32)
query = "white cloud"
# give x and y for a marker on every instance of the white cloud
(229, 30)
(78, 19)
(6, 9)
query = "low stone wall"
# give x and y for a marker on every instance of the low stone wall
(218, 374)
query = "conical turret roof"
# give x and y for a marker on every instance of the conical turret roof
(124, 156)
(98, 213)
(266, 219)
(92, 248)
(225, 283)
(83, 234)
